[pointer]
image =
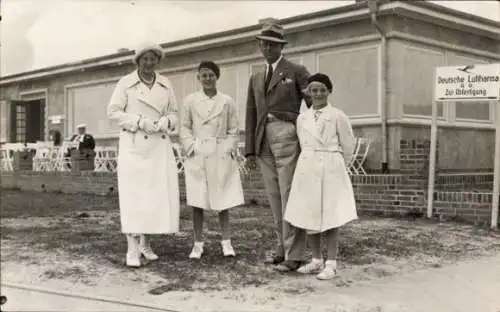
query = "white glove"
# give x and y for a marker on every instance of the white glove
(164, 124)
(147, 125)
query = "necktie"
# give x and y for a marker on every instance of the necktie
(269, 75)
(319, 124)
(316, 115)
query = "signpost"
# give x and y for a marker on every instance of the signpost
(466, 83)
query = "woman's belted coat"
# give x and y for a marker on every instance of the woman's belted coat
(147, 171)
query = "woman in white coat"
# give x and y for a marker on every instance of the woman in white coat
(322, 199)
(144, 107)
(209, 136)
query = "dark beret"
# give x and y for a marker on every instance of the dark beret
(210, 65)
(322, 78)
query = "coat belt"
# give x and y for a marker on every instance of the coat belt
(325, 150)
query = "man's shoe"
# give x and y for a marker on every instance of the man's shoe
(288, 266)
(275, 260)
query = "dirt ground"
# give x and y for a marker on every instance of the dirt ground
(72, 242)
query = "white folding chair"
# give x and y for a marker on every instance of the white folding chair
(6, 160)
(241, 160)
(358, 161)
(179, 156)
(349, 166)
(59, 160)
(105, 159)
(100, 159)
(42, 159)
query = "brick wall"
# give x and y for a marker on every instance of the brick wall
(403, 194)
(465, 182)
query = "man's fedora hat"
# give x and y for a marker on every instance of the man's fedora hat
(272, 32)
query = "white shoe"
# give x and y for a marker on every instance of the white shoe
(197, 251)
(146, 250)
(148, 253)
(313, 267)
(227, 248)
(133, 258)
(329, 272)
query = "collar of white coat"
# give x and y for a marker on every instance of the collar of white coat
(219, 102)
(203, 95)
(133, 79)
(326, 112)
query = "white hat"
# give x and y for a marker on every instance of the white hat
(271, 31)
(146, 48)
(81, 126)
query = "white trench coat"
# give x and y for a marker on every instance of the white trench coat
(212, 177)
(321, 196)
(147, 172)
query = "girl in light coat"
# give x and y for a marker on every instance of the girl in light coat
(209, 136)
(144, 107)
(322, 199)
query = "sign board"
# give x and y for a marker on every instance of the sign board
(56, 119)
(467, 83)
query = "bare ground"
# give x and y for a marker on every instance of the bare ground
(73, 242)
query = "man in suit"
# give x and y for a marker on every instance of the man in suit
(273, 104)
(84, 140)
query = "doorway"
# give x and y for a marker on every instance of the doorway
(27, 121)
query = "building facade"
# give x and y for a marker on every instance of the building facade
(381, 63)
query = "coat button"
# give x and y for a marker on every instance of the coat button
(162, 136)
(146, 137)
(124, 129)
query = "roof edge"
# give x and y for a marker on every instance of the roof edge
(245, 33)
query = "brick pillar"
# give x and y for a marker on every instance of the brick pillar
(414, 159)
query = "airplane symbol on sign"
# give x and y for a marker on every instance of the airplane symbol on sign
(466, 69)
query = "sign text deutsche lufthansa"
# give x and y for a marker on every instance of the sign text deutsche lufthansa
(467, 83)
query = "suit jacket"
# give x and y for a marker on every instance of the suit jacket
(88, 142)
(282, 99)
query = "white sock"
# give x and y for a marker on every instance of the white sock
(316, 260)
(200, 244)
(331, 263)
(225, 241)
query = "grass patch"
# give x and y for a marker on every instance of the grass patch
(81, 226)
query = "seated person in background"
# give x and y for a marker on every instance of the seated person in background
(55, 137)
(84, 140)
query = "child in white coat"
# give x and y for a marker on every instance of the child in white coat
(322, 199)
(209, 136)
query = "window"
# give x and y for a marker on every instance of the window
(20, 123)
(256, 68)
(354, 76)
(418, 69)
(472, 110)
(88, 105)
(469, 110)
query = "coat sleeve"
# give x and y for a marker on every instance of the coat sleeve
(186, 129)
(90, 142)
(172, 110)
(250, 121)
(232, 123)
(117, 106)
(302, 76)
(346, 136)
(299, 127)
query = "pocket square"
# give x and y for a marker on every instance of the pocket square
(286, 80)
